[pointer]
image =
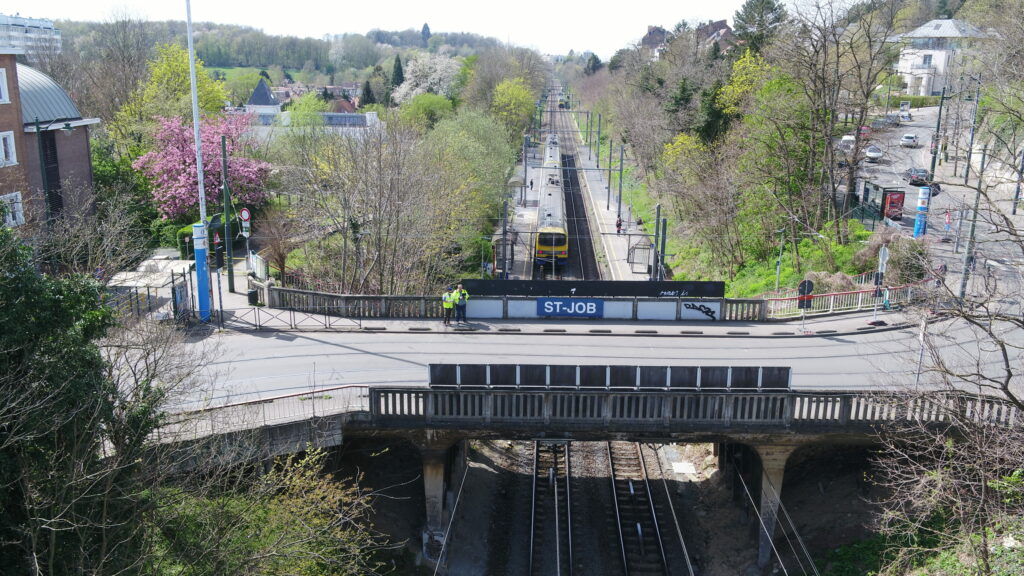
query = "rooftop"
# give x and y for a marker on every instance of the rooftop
(944, 28)
(43, 98)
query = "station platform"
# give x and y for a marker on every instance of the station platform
(612, 248)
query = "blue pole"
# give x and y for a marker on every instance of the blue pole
(924, 195)
(199, 240)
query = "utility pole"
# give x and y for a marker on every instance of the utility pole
(622, 154)
(199, 235)
(969, 260)
(664, 243)
(654, 245)
(970, 143)
(228, 239)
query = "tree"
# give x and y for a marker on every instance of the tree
(397, 76)
(593, 65)
(512, 105)
(429, 74)
(171, 165)
(426, 110)
(757, 22)
(425, 34)
(167, 93)
(368, 97)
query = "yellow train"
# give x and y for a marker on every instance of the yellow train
(551, 247)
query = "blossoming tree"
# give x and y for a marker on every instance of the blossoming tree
(171, 165)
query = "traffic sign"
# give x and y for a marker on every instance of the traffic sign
(245, 228)
(883, 258)
(244, 215)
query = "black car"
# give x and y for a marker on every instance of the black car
(916, 176)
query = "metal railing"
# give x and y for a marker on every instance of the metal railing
(821, 304)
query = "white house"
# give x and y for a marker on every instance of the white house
(931, 56)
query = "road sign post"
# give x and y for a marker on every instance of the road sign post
(246, 217)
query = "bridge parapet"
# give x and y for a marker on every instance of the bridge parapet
(669, 412)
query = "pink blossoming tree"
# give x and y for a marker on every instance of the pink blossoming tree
(171, 165)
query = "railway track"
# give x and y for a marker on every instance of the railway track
(551, 524)
(581, 243)
(582, 261)
(641, 513)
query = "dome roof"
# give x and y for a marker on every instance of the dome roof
(43, 98)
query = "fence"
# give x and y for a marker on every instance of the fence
(131, 301)
(429, 307)
(782, 308)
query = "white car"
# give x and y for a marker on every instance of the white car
(873, 153)
(909, 141)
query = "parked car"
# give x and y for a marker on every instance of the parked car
(935, 188)
(846, 143)
(865, 132)
(906, 117)
(916, 176)
(873, 153)
(909, 141)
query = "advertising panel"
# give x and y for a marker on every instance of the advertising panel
(893, 208)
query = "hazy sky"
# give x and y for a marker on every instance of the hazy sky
(550, 26)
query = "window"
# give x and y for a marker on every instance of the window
(8, 154)
(927, 59)
(5, 97)
(13, 212)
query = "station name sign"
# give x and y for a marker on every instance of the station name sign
(570, 308)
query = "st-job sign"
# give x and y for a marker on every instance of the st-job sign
(570, 307)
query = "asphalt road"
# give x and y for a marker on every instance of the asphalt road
(248, 366)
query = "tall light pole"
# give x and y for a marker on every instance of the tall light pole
(199, 229)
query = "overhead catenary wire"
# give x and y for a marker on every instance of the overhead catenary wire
(760, 520)
(448, 531)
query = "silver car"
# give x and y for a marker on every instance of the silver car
(909, 141)
(873, 153)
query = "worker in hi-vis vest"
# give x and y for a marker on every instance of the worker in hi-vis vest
(460, 296)
(448, 303)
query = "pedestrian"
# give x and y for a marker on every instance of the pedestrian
(531, 183)
(447, 304)
(639, 222)
(618, 225)
(460, 297)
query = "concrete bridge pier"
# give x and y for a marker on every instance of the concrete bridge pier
(441, 460)
(773, 467)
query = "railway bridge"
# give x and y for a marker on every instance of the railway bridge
(748, 409)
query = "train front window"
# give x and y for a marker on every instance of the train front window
(551, 239)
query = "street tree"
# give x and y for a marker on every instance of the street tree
(171, 165)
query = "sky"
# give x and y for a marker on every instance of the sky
(551, 27)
